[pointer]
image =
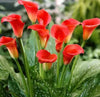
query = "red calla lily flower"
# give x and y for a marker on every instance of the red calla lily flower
(71, 24)
(43, 17)
(45, 57)
(59, 32)
(31, 8)
(58, 45)
(16, 23)
(42, 32)
(70, 51)
(11, 45)
(88, 26)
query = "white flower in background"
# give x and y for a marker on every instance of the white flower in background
(59, 2)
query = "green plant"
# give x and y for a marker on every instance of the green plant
(35, 74)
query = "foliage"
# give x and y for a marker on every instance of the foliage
(86, 9)
(94, 40)
(85, 81)
(7, 70)
(85, 70)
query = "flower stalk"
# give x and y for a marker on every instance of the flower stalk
(26, 64)
(23, 78)
(38, 45)
(61, 59)
(58, 63)
(76, 58)
(74, 63)
(45, 59)
(41, 70)
(62, 75)
(38, 42)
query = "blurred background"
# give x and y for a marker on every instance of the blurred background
(59, 10)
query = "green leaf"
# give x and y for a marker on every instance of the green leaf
(96, 91)
(4, 52)
(4, 68)
(51, 43)
(67, 75)
(14, 88)
(90, 88)
(85, 9)
(3, 91)
(87, 88)
(30, 48)
(85, 70)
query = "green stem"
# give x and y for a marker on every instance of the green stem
(74, 63)
(23, 78)
(41, 70)
(61, 56)
(62, 74)
(37, 39)
(39, 47)
(83, 43)
(26, 66)
(76, 58)
(58, 61)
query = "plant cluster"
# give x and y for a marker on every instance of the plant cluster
(65, 68)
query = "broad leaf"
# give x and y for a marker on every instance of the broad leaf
(7, 69)
(96, 92)
(90, 88)
(30, 48)
(85, 70)
(51, 43)
(4, 68)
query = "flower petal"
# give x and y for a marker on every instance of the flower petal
(45, 57)
(10, 18)
(73, 49)
(70, 51)
(11, 45)
(88, 27)
(42, 32)
(16, 23)
(59, 32)
(43, 17)
(36, 27)
(5, 40)
(18, 27)
(31, 8)
(58, 46)
(71, 24)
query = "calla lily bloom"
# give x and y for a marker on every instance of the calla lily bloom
(16, 23)
(58, 45)
(42, 32)
(46, 58)
(31, 8)
(88, 27)
(11, 45)
(59, 32)
(43, 17)
(70, 51)
(71, 24)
